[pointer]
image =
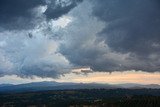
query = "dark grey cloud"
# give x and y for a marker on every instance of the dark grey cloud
(82, 46)
(104, 35)
(129, 39)
(17, 8)
(21, 14)
(56, 10)
(17, 13)
(133, 25)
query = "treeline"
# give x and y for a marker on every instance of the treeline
(84, 98)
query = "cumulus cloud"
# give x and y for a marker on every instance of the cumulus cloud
(29, 37)
(82, 45)
(26, 56)
(115, 35)
(48, 38)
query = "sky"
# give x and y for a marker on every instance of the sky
(104, 41)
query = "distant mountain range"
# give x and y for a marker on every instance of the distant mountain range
(52, 85)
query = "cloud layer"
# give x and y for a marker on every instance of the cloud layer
(48, 38)
(28, 38)
(116, 35)
(132, 27)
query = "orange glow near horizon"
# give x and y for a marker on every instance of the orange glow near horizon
(114, 77)
(98, 77)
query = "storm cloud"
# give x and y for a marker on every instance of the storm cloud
(132, 27)
(49, 38)
(129, 40)
(28, 39)
(59, 8)
(26, 14)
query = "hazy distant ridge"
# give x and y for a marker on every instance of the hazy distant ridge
(40, 86)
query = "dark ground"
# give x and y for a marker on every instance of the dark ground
(83, 98)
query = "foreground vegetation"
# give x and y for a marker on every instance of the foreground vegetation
(84, 98)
